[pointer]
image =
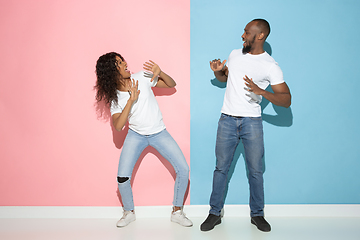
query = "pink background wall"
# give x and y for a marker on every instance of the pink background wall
(58, 148)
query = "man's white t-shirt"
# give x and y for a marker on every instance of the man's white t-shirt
(145, 116)
(262, 69)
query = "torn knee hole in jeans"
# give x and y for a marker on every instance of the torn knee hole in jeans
(122, 179)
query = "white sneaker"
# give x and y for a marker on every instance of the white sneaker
(128, 217)
(180, 218)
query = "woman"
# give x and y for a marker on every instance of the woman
(131, 98)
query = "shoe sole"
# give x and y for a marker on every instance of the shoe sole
(126, 224)
(178, 222)
(182, 224)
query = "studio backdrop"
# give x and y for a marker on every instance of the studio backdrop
(58, 147)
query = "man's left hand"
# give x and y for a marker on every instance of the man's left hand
(251, 86)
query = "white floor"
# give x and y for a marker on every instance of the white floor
(283, 228)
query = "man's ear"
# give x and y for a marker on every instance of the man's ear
(261, 36)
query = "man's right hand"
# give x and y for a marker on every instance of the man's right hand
(217, 65)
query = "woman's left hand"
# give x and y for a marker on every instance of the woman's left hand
(152, 67)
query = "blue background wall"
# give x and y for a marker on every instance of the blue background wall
(312, 149)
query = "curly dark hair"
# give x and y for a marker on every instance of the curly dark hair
(108, 77)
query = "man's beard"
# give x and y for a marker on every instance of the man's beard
(247, 49)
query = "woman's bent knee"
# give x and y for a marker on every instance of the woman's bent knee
(122, 179)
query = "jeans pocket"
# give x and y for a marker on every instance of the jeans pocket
(223, 117)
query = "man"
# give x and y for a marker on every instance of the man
(248, 72)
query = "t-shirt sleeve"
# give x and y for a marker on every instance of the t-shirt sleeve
(115, 108)
(147, 77)
(276, 75)
(154, 82)
(229, 58)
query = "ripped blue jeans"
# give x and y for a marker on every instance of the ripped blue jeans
(134, 145)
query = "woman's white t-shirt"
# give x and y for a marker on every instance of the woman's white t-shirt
(145, 116)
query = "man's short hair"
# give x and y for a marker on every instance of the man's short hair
(263, 25)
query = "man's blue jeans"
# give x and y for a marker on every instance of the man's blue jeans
(134, 144)
(232, 130)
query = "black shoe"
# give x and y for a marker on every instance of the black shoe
(210, 222)
(261, 223)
